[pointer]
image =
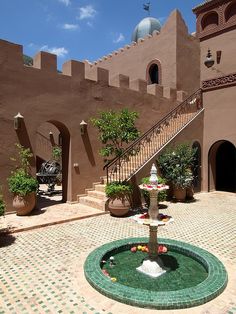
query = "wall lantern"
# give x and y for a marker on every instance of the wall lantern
(83, 127)
(209, 62)
(18, 121)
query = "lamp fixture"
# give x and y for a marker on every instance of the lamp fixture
(18, 121)
(209, 62)
(83, 127)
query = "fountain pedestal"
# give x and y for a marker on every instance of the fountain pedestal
(153, 265)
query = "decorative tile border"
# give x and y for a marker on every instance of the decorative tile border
(219, 82)
(207, 290)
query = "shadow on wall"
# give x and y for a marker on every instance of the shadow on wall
(88, 148)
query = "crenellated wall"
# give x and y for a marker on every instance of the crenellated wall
(176, 51)
(41, 94)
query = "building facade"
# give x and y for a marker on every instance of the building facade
(151, 76)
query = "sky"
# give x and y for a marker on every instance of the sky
(81, 29)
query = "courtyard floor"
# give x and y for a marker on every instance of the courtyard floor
(41, 270)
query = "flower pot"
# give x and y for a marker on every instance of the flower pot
(118, 207)
(24, 204)
(189, 193)
(179, 193)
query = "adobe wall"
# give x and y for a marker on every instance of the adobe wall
(42, 95)
(176, 50)
(225, 43)
(219, 122)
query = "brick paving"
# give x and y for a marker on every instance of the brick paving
(41, 271)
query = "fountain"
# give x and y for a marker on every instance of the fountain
(152, 266)
(185, 276)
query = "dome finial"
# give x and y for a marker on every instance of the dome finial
(146, 7)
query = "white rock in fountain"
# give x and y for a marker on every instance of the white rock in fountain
(151, 268)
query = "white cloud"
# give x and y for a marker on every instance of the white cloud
(87, 12)
(59, 51)
(71, 27)
(119, 38)
(65, 2)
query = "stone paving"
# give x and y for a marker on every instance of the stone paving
(41, 271)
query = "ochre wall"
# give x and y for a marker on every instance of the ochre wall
(42, 95)
(176, 50)
(219, 123)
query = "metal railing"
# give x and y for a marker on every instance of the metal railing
(156, 138)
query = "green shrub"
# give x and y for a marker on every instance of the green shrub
(21, 181)
(119, 190)
(176, 165)
(162, 195)
(56, 153)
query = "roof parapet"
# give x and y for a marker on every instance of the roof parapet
(11, 55)
(120, 80)
(139, 85)
(155, 89)
(45, 61)
(169, 93)
(74, 68)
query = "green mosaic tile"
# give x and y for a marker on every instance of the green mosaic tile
(212, 286)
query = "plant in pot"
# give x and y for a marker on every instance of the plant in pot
(120, 197)
(161, 196)
(175, 164)
(22, 184)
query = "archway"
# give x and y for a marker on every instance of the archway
(153, 72)
(53, 136)
(197, 167)
(222, 167)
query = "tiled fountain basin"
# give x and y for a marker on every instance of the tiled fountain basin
(203, 292)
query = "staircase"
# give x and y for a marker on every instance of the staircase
(139, 153)
(95, 197)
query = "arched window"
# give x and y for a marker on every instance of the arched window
(154, 74)
(230, 12)
(210, 21)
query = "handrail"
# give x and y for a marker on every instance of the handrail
(195, 98)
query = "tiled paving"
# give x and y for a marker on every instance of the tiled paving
(41, 271)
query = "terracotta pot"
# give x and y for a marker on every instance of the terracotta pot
(180, 194)
(118, 208)
(189, 193)
(24, 204)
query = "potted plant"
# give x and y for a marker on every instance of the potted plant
(161, 197)
(22, 184)
(119, 197)
(175, 164)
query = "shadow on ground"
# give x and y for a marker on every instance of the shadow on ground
(6, 239)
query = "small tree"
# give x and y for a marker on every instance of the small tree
(116, 129)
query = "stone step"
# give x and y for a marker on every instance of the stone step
(97, 194)
(100, 187)
(93, 202)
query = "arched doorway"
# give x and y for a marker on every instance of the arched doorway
(222, 167)
(197, 167)
(53, 137)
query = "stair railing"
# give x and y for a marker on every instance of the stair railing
(139, 152)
